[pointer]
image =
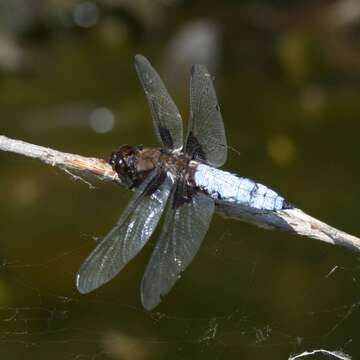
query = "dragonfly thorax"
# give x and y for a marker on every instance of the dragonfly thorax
(134, 163)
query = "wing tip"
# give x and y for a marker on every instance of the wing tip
(140, 59)
(149, 300)
(149, 303)
(81, 285)
(223, 159)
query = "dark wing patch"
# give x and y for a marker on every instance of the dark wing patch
(184, 229)
(183, 193)
(166, 137)
(128, 236)
(166, 117)
(194, 147)
(206, 139)
(155, 184)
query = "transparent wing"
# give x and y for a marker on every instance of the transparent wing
(206, 139)
(166, 117)
(128, 236)
(184, 229)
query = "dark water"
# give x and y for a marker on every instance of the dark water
(289, 94)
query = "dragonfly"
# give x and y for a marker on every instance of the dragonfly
(181, 178)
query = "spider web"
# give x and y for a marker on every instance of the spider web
(104, 326)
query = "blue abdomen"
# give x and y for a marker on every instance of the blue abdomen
(224, 186)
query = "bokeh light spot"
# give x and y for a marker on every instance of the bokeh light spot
(102, 120)
(281, 150)
(313, 99)
(25, 191)
(86, 14)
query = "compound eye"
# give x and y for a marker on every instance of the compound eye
(121, 167)
(113, 158)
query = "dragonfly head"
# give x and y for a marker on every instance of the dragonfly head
(129, 164)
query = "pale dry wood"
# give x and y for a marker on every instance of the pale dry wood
(334, 354)
(293, 220)
(66, 161)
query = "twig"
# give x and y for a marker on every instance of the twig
(71, 162)
(293, 220)
(334, 354)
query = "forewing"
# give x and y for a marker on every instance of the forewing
(128, 236)
(206, 139)
(166, 117)
(184, 228)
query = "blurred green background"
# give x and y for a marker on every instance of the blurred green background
(287, 74)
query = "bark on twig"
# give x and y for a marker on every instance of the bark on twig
(65, 161)
(293, 220)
